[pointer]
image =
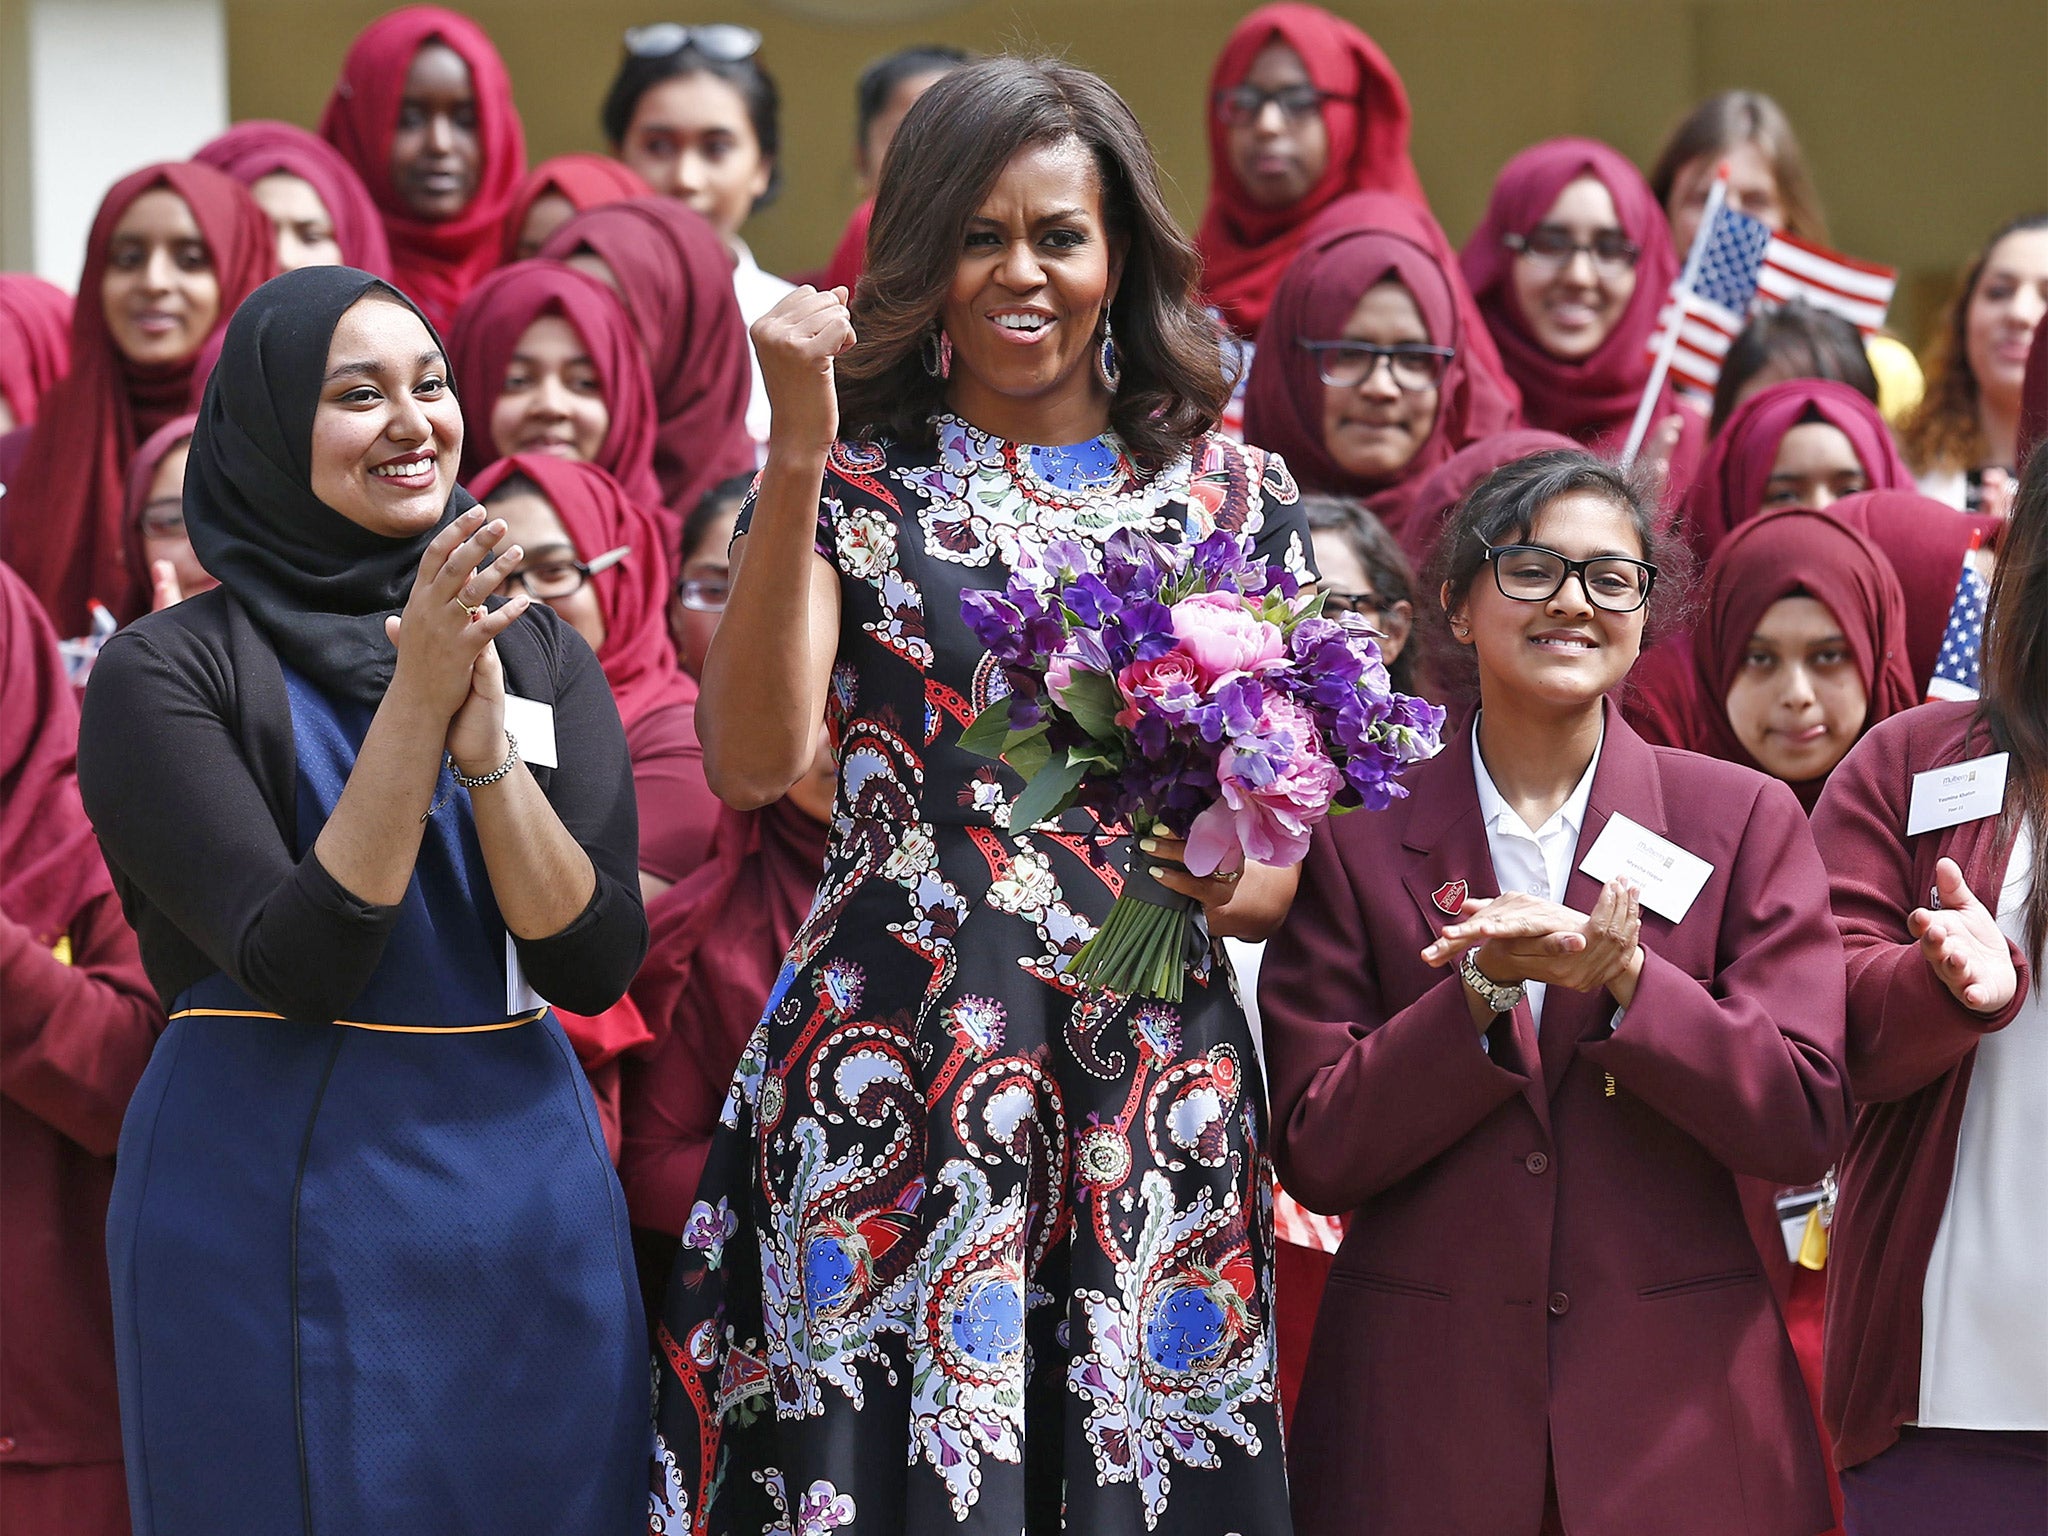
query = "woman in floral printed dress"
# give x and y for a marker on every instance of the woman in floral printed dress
(976, 1248)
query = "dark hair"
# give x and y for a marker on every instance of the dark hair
(1504, 507)
(951, 149)
(2014, 702)
(638, 74)
(1386, 566)
(880, 79)
(1944, 432)
(721, 499)
(1806, 343)
(1733, 118)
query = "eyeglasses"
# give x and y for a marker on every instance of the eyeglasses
(719, 41)
(1244, 103)
(1529, 573)
(1552, 247)
(1347, 364)
(1364, 604)
(560, 576)
(703, 594)
(164, 519)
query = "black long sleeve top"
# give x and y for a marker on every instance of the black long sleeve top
(187, 766)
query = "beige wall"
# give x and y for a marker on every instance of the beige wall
(1926, 120)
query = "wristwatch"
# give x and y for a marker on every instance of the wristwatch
(1500, 998)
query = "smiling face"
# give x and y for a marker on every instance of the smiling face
(690, 138)
(1278, 156)
(533, 524)
(1375, 427)
(1571, 309)
(436, 154)
(161, 295)
(387, 433)
(1037, 270)
(2010, 297)
(1798, 703)
(553, 399)
(1752, 188)
(1562, 653)
(1816, 467)
(305, 229)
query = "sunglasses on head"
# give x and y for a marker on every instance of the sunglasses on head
(722, 42)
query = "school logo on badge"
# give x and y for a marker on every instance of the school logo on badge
(1449, 897)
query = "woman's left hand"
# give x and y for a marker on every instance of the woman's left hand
(1248, 904)
(476, 733)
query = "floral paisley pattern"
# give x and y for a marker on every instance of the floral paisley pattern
(977, 1248)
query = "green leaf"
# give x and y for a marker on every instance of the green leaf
(985, 736)
(1092, 699)
(1028, 752)
(1048, 788)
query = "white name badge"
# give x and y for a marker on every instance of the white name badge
(1948, 797)
(1668, 878)
(534, 724)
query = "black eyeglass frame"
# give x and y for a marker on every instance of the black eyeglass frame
(1445, 356)
(584, 569)
(722, 42)
(1622, 255)
(1245, 103)
(1570, 569)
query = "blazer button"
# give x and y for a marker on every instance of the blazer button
(1537, 1162)
(6, 1445)
(1559, 1303)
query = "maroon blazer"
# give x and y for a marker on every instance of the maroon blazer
(1911, 1047)
(1547, 1258)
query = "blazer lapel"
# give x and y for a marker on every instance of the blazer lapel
(1453, 862)
(1625, 782)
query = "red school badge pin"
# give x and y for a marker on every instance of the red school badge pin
(1449, 897)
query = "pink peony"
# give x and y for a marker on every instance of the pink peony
(1270, 823)
(1223, 637)
(1174, 676)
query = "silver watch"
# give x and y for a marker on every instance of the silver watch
(1500, 998)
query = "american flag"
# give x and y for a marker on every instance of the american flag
(1955, 670)
(1744, 268)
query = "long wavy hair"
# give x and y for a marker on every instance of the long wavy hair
(943, 164)
(1945, 430)
(2014, 703)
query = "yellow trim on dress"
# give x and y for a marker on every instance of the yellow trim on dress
(387, 1029)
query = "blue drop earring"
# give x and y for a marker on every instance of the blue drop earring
(1107, 367)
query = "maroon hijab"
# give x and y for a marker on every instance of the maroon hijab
(35, 341)
(674, 275)
(253, 150)
(1592, 399)
(718, 942)
(63, 530)
(435, 262)
(1245, 247)
(1730, 488)
(141, 470)
(1451, 481)
(486, 334)
(638, 657)
(2034, 395)
(1797, 553)
(583, 180)
(49, 866)
(1926, 542)
(1357, 242)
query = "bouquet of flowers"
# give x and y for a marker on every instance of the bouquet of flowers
(1193, 691)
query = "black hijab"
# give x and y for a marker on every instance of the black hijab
(318, 585)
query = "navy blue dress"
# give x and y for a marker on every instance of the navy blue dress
(374, 1276)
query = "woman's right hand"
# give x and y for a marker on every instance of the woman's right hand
(438, 638)
(796, 342)
(1961, 940)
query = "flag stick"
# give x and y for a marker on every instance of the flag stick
(1716, 196)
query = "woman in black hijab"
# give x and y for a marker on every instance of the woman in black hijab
(371, 1268)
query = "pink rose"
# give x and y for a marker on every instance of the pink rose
(1059, 677)
(1224, 637)
(1169, 679)
(1270, 823)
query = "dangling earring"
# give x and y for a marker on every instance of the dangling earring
(1107, 367)
(938, 354)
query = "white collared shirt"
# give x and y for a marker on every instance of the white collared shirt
(757, 292)
(1537, 863)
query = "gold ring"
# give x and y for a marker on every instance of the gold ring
(472, 609)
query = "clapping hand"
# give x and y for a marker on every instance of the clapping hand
(1523, 938)
(1961, 940)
